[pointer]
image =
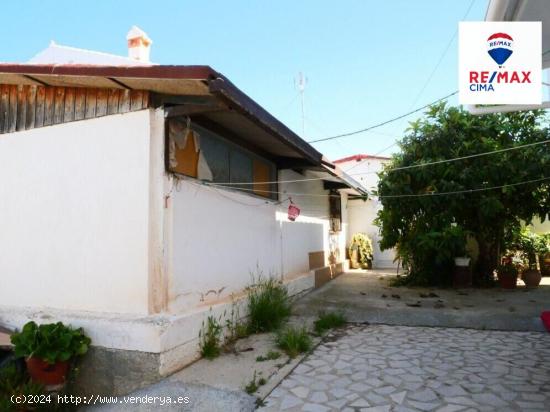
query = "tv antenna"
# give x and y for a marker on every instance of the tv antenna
(300, 83)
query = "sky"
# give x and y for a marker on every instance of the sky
(365, 61)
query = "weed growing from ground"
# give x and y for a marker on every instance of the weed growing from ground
(259, 403)
(294, 341)
(209, 337)
(253, 386)
(268, 305)
(271, 355)
(328, 321)
(235, 328)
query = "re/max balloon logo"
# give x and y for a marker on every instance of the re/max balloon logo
(500, 48)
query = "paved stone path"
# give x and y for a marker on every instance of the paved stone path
(401, 368)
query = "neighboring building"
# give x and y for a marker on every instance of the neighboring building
(138, 199)
(362, 213)
(139, 48)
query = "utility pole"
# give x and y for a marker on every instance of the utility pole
(300, 82)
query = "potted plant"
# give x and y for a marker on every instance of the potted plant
(544, 257)
(532, 245)
(507, 274)
(454, 240)
(48, 349)
(360, 251)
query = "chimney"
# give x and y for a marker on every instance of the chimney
(139, 44)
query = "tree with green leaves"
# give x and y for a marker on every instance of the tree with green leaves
(427, 226)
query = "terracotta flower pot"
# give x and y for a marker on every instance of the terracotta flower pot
(507, 281)
(531, 278)
(354, 259)
(545, 265)
(47, 374)
(462, 277)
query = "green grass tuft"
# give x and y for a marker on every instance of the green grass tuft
(294, 341)
(328, 321)
(252, 386)
(209, 336)
(271, 355)
(268, 305)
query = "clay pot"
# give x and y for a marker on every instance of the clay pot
(354, 259)
(545, 265)
(531, 278)
(507, 281)
(462, 277)
(45, 373)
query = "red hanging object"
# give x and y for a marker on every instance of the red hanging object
(545, 317)
(293, 211)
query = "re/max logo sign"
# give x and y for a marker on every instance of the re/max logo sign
(500, 63)
(483, 80)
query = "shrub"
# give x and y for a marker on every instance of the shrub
(50, 342)
(294, 341)
(532, 245)
(507, 269)
(428, 255)
(210, 338)
(328, 321)
(362, 243)
(268, 305)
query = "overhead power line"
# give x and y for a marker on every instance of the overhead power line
(442, 56)
(406, 195)
(457, 192)
(508, 149)
(432, 73)
(366, 129)
(468, 157)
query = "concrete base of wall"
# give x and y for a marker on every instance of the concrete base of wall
(106, 371)
(130, 352)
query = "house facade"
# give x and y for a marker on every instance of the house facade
(139, 199)
(363, 212)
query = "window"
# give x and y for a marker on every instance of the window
(198, 152)
(335, 210)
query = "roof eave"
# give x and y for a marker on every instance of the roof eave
(205, 81)
(222, 88)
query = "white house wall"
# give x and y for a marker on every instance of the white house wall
(310, 232)
(219, 238)
(73, 215)
(361, 214)
(222, 238)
